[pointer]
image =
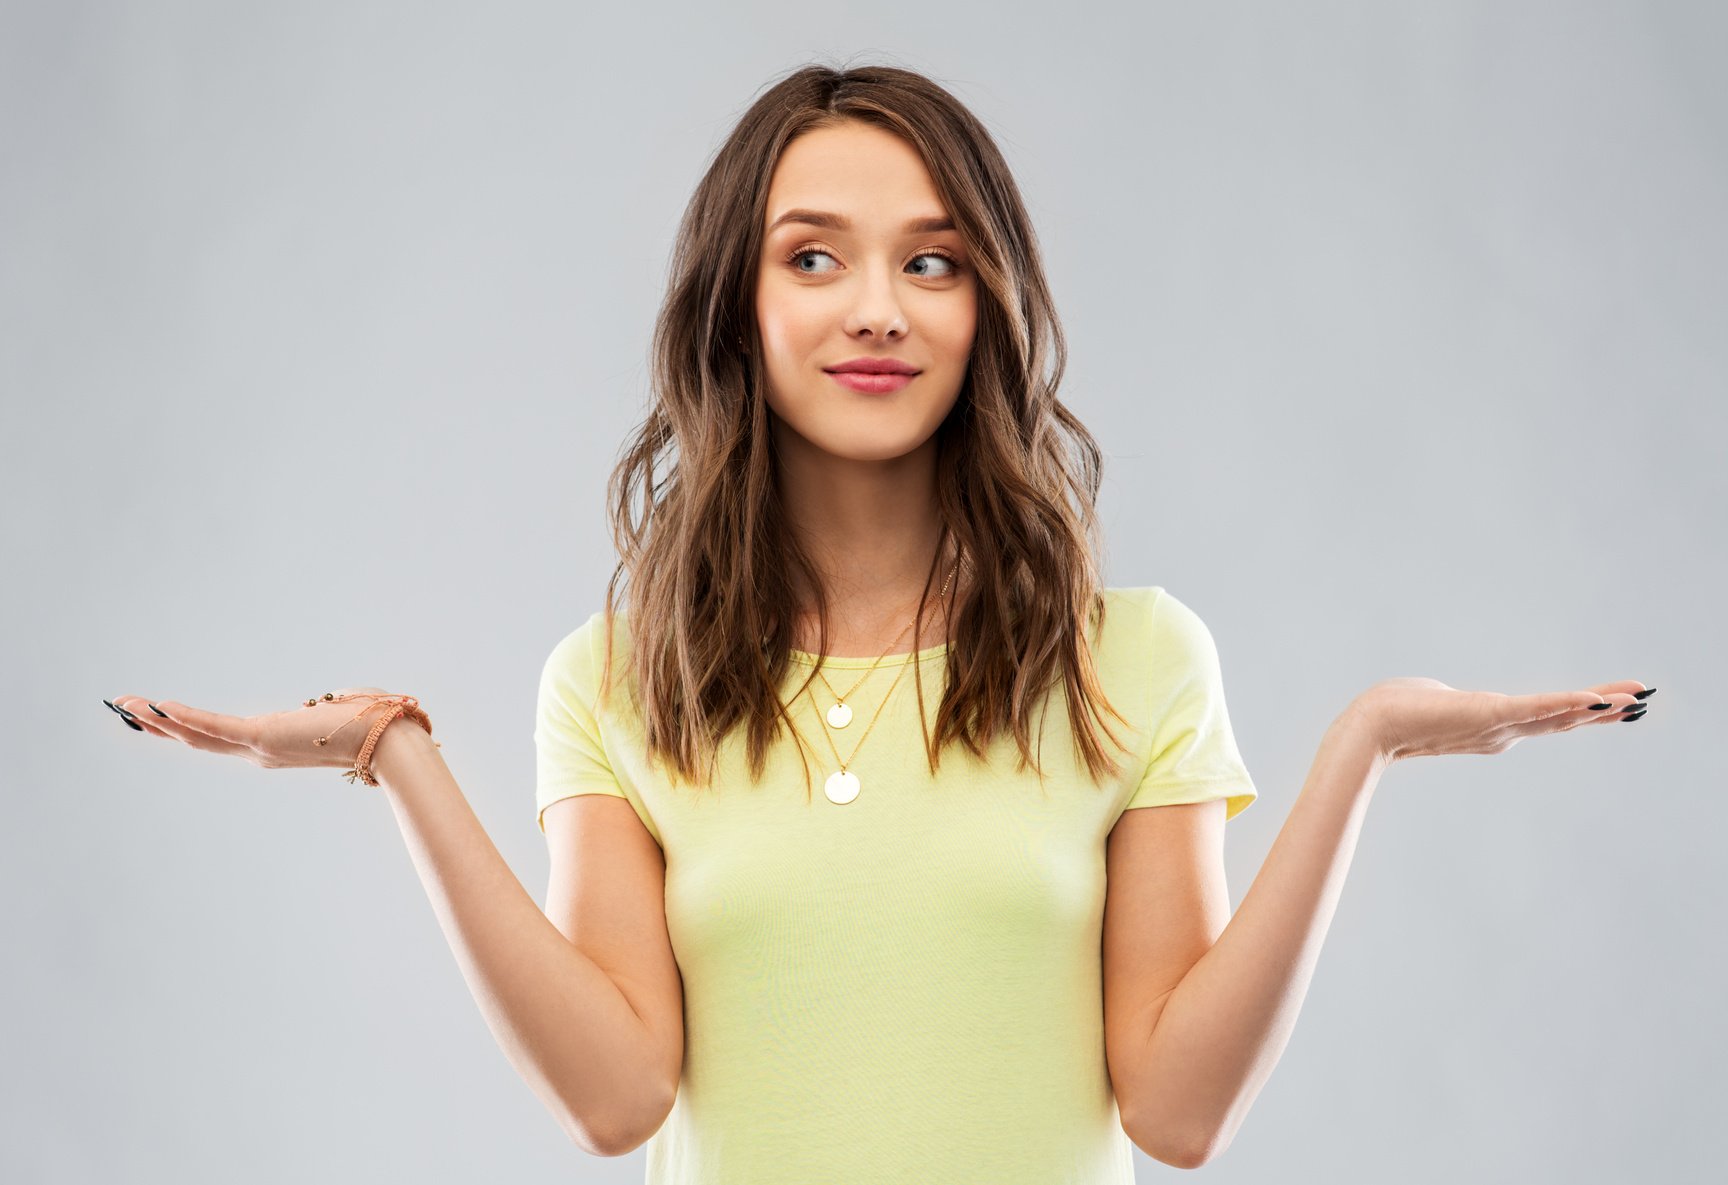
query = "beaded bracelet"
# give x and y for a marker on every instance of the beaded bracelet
(397, 706)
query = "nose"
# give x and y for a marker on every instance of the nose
(876, 311)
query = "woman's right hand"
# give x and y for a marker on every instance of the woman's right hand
(279, 740)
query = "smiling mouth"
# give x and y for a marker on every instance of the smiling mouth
(870, 384)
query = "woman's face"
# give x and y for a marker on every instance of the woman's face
(867, 285)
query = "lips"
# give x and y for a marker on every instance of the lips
(872, 366)
(870, 384)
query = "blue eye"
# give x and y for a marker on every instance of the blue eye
(803, 253)
(796, 257)
(953, 263)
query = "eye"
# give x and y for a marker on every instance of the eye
(953, 264)
(803, 253)
(798, 256)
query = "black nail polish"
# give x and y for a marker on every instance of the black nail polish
(159, 711)
(1645, 694)
(1600, 707)
(1633, 716)
(124, 714)
(129, 724)
(112, 706)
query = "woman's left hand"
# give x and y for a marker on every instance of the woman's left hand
(1426, 718)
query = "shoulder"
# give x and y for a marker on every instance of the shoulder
(579, 656)
(1155, 608)
(1130, 615)
(1149, 625)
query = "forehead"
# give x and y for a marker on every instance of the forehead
(862, 172)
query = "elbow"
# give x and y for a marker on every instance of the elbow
(592, 1138)
(605, 1142)
(622, 1144)
(587, 1139)
(1192, 1156)
(625, 1136)
(1169, 1148)
(1184, 1156)
(607, 1147)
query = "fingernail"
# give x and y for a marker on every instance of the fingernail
(128, 723)
(111, 705)
(159, 711)
(1645, 694)
(1599, 707)
(1633, 716)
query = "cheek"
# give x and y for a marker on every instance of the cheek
(960, 324)
(783, 322)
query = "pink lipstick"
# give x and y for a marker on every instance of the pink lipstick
(873, 376)
(870, 384)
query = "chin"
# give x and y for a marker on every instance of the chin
(855, 448)
(847, 438)
(861, 427)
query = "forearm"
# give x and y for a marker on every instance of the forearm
(1224, 1027)
(560, 1019)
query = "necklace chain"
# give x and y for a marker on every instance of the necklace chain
(846, 761)
(844, 775)
(860, 680)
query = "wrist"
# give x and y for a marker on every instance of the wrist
(400, 746)
(1357, 730)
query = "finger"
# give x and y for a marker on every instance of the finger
(1622, 698)
(131, 717)
(1625, 696)
(1549, 705)
(1622, 687)
(202, 730)
(1562, 711)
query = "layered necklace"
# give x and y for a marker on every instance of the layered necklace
(842, 785)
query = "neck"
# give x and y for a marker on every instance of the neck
(871, 530)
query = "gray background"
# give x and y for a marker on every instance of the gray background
(1401, 324)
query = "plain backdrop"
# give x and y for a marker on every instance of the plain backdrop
(1402, 326)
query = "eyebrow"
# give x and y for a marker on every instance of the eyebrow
(827, 221)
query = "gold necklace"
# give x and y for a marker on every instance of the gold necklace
(842, 785)
(840, 714)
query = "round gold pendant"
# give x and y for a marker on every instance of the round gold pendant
(839, 716)
(842, 786)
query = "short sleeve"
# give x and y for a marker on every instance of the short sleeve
(1193, 755)
(569, 756)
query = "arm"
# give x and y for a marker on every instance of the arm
(560, 1019)
(1225, 1025)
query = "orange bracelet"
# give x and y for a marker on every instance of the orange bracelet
(398, 706)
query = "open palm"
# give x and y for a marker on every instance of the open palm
(1414, 717)
(277, 740)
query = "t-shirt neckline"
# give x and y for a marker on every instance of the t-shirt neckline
(858, 662)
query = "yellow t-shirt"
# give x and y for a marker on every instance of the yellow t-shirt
(908, 986)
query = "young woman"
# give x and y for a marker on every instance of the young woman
(886, 845)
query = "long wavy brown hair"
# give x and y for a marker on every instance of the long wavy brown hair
(707, 546)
